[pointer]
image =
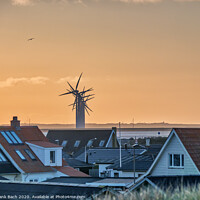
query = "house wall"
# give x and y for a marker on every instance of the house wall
(33, 177)
(162, 166)
(37, 177)
(131, 174)
(44, 155)
(12, 177)
(124, 174)
(102, 168)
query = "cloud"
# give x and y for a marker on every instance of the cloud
(69, 79)
(21, 2)
(82, 2)
(10, 82)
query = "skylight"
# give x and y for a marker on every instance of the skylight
(2, 158)
(64, 143)
(6, 137)
(11, 137)
(20, 154)
(16, 137)
(76, 144)
(30, 154)
(89, 144)
(101, 143)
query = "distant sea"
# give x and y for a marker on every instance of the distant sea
(137, 132)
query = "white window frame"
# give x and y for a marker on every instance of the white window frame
(53, 160)
(181, 161)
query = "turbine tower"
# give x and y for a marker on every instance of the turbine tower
(80, 102)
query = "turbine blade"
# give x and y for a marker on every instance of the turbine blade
(89, 99)
(91, 89)
(87, 111)
(87, 107)
(90, 95)
(74, 104)
(70, 86)
(78, 81)
(65, 93)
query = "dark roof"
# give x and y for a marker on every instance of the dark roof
(70, 171)
(190, 137)
(153, 149)
(47, 189)
(45, 144)
(7, 167)
(145, 129)
(2, 178)
(142, 163)
(106, 155)
(76, 163)
(25, 133)
(83, 135)
(78, 180)
(172, 182)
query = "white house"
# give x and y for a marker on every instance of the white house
(179, 156)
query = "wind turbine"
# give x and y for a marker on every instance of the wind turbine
(80, 102)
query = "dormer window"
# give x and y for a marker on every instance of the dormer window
(52, 156)
(76, 144)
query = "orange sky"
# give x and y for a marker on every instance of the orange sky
(141, 57)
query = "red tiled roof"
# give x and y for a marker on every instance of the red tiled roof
(44, 144)
(190, 137)
(25, 133)
(70, 171)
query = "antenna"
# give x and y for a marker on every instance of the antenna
(120, 147)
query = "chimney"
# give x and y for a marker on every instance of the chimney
(15, 123)
(147, 142)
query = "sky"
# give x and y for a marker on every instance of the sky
(142, 57)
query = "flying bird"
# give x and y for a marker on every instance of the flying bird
(30, 39)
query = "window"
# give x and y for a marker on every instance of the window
(101, 143)
(89, 144)
(2, 158)
(30, 154)
(6, 137)
(64, 143)
(11, 137)
(52, 156)
(16, 137)
(116, 175)
(76, 144)
(20, 154)
(176, 160)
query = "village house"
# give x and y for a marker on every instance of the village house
(179, 156)
(74, 140)
(27, 155)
